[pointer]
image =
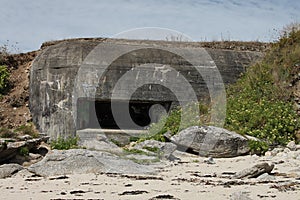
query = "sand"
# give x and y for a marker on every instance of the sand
(190, 178)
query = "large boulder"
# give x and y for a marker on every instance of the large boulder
(81, 161)
(211, 141)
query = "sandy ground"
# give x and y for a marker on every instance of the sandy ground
(189, 178)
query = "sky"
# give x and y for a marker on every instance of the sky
(25, 25)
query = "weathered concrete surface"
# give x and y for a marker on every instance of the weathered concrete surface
(71, 70)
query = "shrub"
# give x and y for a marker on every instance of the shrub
(260, 104)
(4, 78)
(65, 143)
(258, 147)
(24, 151)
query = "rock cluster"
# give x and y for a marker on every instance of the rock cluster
(11, 148)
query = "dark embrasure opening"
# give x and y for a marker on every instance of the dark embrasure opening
(98, 114)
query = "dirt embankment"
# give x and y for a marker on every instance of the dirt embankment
(14, 110)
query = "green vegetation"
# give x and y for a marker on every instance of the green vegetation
(24, 151)
(258, 147)
(27, 129)
(4, 78)
(260, 104)
(65, 143)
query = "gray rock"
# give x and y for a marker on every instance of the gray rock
(266, 177)
(211, 141)
(268, 154)
(254, 171)
(286, 150)
(80, 161)
(291, 145)
(7, 170)
(209, 160)
(240, 196)
(164, 149)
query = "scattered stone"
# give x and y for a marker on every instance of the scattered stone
(7, 170)
(275, 151)
(254, 171)
(266, 177)
(286, 150)
(282, 154)
(240, 196)
(211, 141)
(268, 154)
(209, 160)
(291, 145)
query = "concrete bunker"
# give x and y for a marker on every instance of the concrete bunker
(69, 94)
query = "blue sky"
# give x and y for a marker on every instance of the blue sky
(29, 23)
